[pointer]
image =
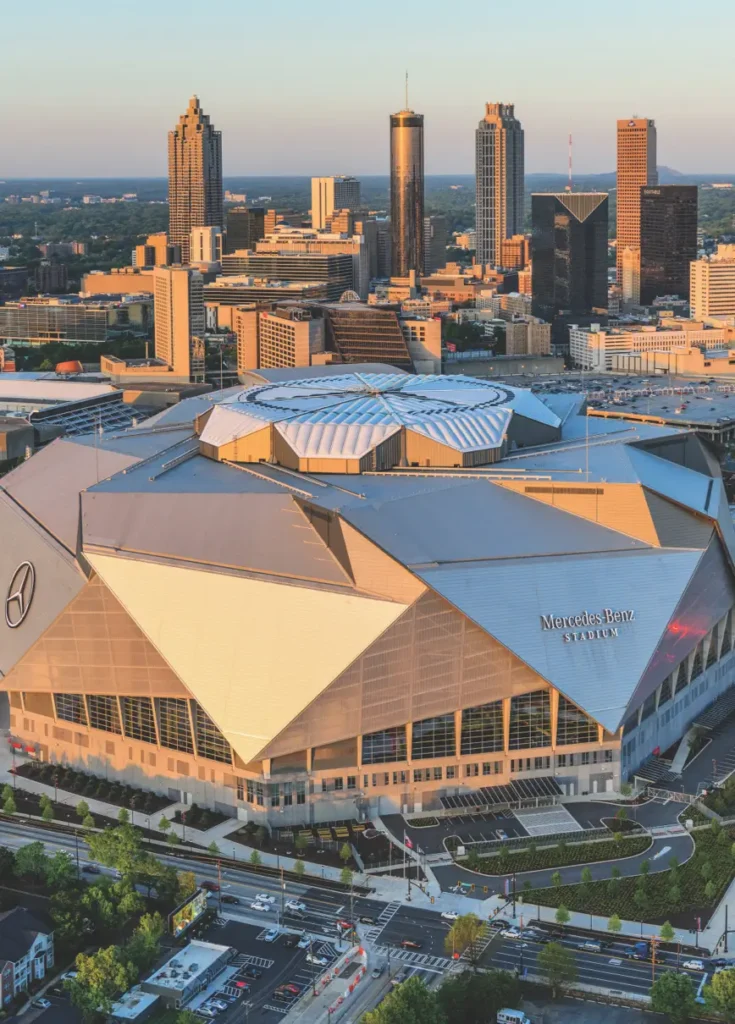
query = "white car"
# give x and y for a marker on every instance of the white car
(272, 935)
(450, 915)
(264, 897)
(41, 1003)
(296, 906)
(258, 905)
(304, 942)
(511, 933)
(693, 965)
(320, 961)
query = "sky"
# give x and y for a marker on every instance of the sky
(306, 86)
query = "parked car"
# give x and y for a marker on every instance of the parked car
(271, 935)
(296, 906)
(320, 961)
(243, 986)
(264, 897)
(304, 942)
(251, 972)
(410, 944)
(91, 869)
(378, 971)
(693, 965)
(227, 898)
(209, 886)
(400, 977)
(450, 915)
(290, 986)
(284, 994)
(258, 905)
(41, 1003)
(208, 1011)
(501, 833)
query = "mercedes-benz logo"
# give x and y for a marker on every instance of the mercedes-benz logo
(20, 594)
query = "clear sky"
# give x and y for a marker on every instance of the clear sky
(306, 86)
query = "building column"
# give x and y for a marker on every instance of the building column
(409, 741)
(359, 751)
(600, 735)
(457, 733)
(309, 759)
(554, 716)
(506, 725)
(266, 766)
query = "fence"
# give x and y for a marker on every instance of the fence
(494, 846)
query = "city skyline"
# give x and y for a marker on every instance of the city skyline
(70, 122)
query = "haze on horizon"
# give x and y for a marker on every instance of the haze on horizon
(300, 89)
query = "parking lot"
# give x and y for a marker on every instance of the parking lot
(277, 964)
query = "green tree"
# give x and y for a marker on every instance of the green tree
(143, 947)
(345, 876)
(123, 816)
(173, 838)
(710, 890)
(9, 806)
(674, 895)
(299, 868)
(186, 885)
(82, 810)
(585, 878)
(88, 821)
(345, 853)
(475, 998)
(213, 848)
(119, 848)
(705, 870)
(7, 860)
(255, 859)
(302, 844)
(719, 996)
(667, 932)
(262, 836)
(31, 862)
(464, 934)
(556, 879)
(715, 828)
(61, 871)
(562, 915)
(673, 995)
(614, 924)
(558, 965)
(101, 978)
(621, 814)
(164, 824)
(69, 916)
(48, 812)
(44, 802)
(7, 792)
(409, 1003)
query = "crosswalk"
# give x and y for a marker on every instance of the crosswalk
(423, 960)
(663, 831)
(242, 959)
(478, 947)
(386, 916)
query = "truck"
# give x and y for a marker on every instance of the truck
(512, 1017)
(638, 951)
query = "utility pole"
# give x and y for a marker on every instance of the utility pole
(514, 894)
(283, 896)
(725, 950)
(76, 847)
(219, 883)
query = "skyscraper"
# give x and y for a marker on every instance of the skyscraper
(330, 194)
(668, 240)
(569, 256)
(245, 226)
(436, 239)
(195, 197)
(178, 305)
(636, 168)
(498, 181)
(407, 192)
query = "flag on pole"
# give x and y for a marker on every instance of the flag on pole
(407, 842)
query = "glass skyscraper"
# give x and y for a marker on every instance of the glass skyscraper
(499, 161)
(407, 192)
(668, 240)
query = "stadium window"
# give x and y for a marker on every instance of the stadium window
(585, 757)
(210, 742)
(103, 713)
(250, 790)
(287, 794)
(530, 720)
(382, 747)
(573, 726)
(70, 707)
(240, 789)
(275, 795)
(608, 756)
(433, 737)
(365, 781)
(259, 794)
(137, 719)
(437, 774)
(352, 781)
(451, 771)
(339, 783)
(300, 792)
(482, 729)
(471, 770)
(173, 724)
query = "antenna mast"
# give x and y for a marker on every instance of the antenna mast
(406, 107)
(569, 185)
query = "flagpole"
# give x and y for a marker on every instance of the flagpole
(405, 875)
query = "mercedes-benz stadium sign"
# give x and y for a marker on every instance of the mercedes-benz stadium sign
(20, 594)
(605, 621)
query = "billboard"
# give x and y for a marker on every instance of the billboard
(184, 916)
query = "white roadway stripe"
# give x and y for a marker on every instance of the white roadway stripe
(597, 968)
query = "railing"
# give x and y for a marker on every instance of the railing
(542, 842)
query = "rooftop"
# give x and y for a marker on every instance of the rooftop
(187, 964)
(132, 1004)
(18, 930)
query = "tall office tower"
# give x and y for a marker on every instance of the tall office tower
(329, 194)
(407, 192)
(712, 290)
(569, 257)
(636, 168)
(195, 197)
(205, 245)
(436, 239)
(178, 305)
(245, 226)
(668, 240)
(499, 163)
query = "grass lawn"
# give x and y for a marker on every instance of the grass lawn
(696, 885)
(558, 856)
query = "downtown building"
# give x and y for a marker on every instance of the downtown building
(499, 164)
(334, 594)
(195, 195)
(668, 240)
(636, 169)
(407, 193)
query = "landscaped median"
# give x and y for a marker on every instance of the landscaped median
(537, 857)
(676, 895)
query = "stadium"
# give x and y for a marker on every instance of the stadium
(339, 594)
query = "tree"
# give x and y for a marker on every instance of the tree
(464, 934)
(164, 824)
(710, 890)
(474, 998)
(61, 871)
(101, 978)
(674, 896)
(123, 816)
(48, 812)
(173, 839)
(556, 879)
(82, 809)
(7, 792)
(562, 915)
(9, 806)
(673, 995)
(409, 1003)
(44, 802)
(7, 860)
(345, 876)
(345, 853)
(186, 885)
(299, 868)
(302, 844)
(119, 848)
(88, 821)
(621, 814)
(143, 947)
(255, 859)
(31, 862)
(261, 836)
(585, 878)
(614, 924)
(719, 996)
(558, 965)
(213, 848)
(69, 916)
(705, 870)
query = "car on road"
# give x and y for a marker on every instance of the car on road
(209, 886)
(304, 942)
(296, 906)
(251, 972)
(721, 962)
(259, 905)
(590, 946)
(228, 898)
(378, 971)
(511, 933)
(264, 897)
(91, 869)
(271, 935)
(450, 915)
(693, 965)
(344, 925)
(41, 1003)
(410, 944)
(499, 922)
(400, 977)
(366, 919)
(290, 940)
(319, 961)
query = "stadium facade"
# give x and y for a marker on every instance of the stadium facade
(340, 594)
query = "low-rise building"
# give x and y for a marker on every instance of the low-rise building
(69, 319)
(189, 971)
(712, 284)
(237, 290)
(26, 952)
(692, 362)
(593, 349)
(118, 281)
(288, 336)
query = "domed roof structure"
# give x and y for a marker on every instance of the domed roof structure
(385, 419)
